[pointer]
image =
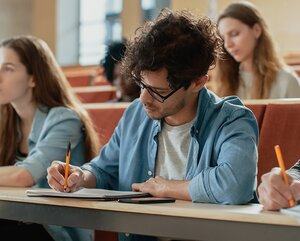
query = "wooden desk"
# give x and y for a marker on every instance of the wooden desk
(180, 220)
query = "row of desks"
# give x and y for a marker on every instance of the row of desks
(179, 220)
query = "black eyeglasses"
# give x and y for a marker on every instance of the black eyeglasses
(154, 94)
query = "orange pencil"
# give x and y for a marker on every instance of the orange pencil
(67, 165)
(282, 167)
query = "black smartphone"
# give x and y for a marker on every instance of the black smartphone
(145, 200)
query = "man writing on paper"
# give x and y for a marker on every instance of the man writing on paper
(178, 139)
(273, 192)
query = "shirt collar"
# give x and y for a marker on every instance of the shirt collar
(38, 122)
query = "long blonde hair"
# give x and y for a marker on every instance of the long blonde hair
(51, 89)
(265, 60)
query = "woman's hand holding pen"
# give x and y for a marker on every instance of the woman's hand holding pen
(56, 177)
(274, 193)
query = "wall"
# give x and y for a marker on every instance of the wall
(283, 19)
(131, 17)
(15, 17)
(198, 7)
(45, 19)
(34, 17)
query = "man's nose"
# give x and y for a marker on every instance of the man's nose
(145, 96)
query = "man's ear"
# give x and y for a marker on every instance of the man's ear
(199, 83)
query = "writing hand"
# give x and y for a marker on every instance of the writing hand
(55, 177)
(273, 192)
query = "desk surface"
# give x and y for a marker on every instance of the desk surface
(181, 220)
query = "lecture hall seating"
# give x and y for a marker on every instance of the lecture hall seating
(95, 94)
(78, 75)
(279, 125)
(105, 117)
(258, 110)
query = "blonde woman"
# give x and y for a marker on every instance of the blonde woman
(38, 118)
(251, 69)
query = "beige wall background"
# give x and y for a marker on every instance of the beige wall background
(282, 17)
(36, 17)
(39, 17)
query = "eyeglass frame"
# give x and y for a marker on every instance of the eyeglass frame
(153, 92)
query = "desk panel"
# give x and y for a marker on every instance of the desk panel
(181, 220)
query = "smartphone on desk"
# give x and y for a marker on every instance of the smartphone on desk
(145, 200)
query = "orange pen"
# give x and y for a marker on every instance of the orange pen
(67, 165)
(282, 167)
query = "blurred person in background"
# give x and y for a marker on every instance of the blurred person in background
(126, 90)
(251, 69)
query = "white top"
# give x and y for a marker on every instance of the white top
(286, 85)
(173, 147)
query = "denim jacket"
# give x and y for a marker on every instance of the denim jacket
(51, 131)
(222, 158)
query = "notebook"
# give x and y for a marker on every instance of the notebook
(295, 211)
(88, 193)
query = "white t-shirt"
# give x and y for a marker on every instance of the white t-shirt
(173, 147)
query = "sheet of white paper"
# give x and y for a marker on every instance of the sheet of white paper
(294, 211)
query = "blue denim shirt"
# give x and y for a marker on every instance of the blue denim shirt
(222, 159)
(48, 140)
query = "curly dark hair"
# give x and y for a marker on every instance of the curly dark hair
(185, 45)
(114, 54)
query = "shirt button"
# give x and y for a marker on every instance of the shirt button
(149, 173)
(127, 234)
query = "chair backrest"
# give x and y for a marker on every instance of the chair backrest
(76, 81)
(259, 111)
(105, 118)
(280, 126)
(95, 94)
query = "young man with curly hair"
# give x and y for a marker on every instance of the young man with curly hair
(178, 139)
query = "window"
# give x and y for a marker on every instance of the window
(99, 25)
(151, 8)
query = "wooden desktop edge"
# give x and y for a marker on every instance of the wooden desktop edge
(241, 213)
(193, 221)
(272, 101)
